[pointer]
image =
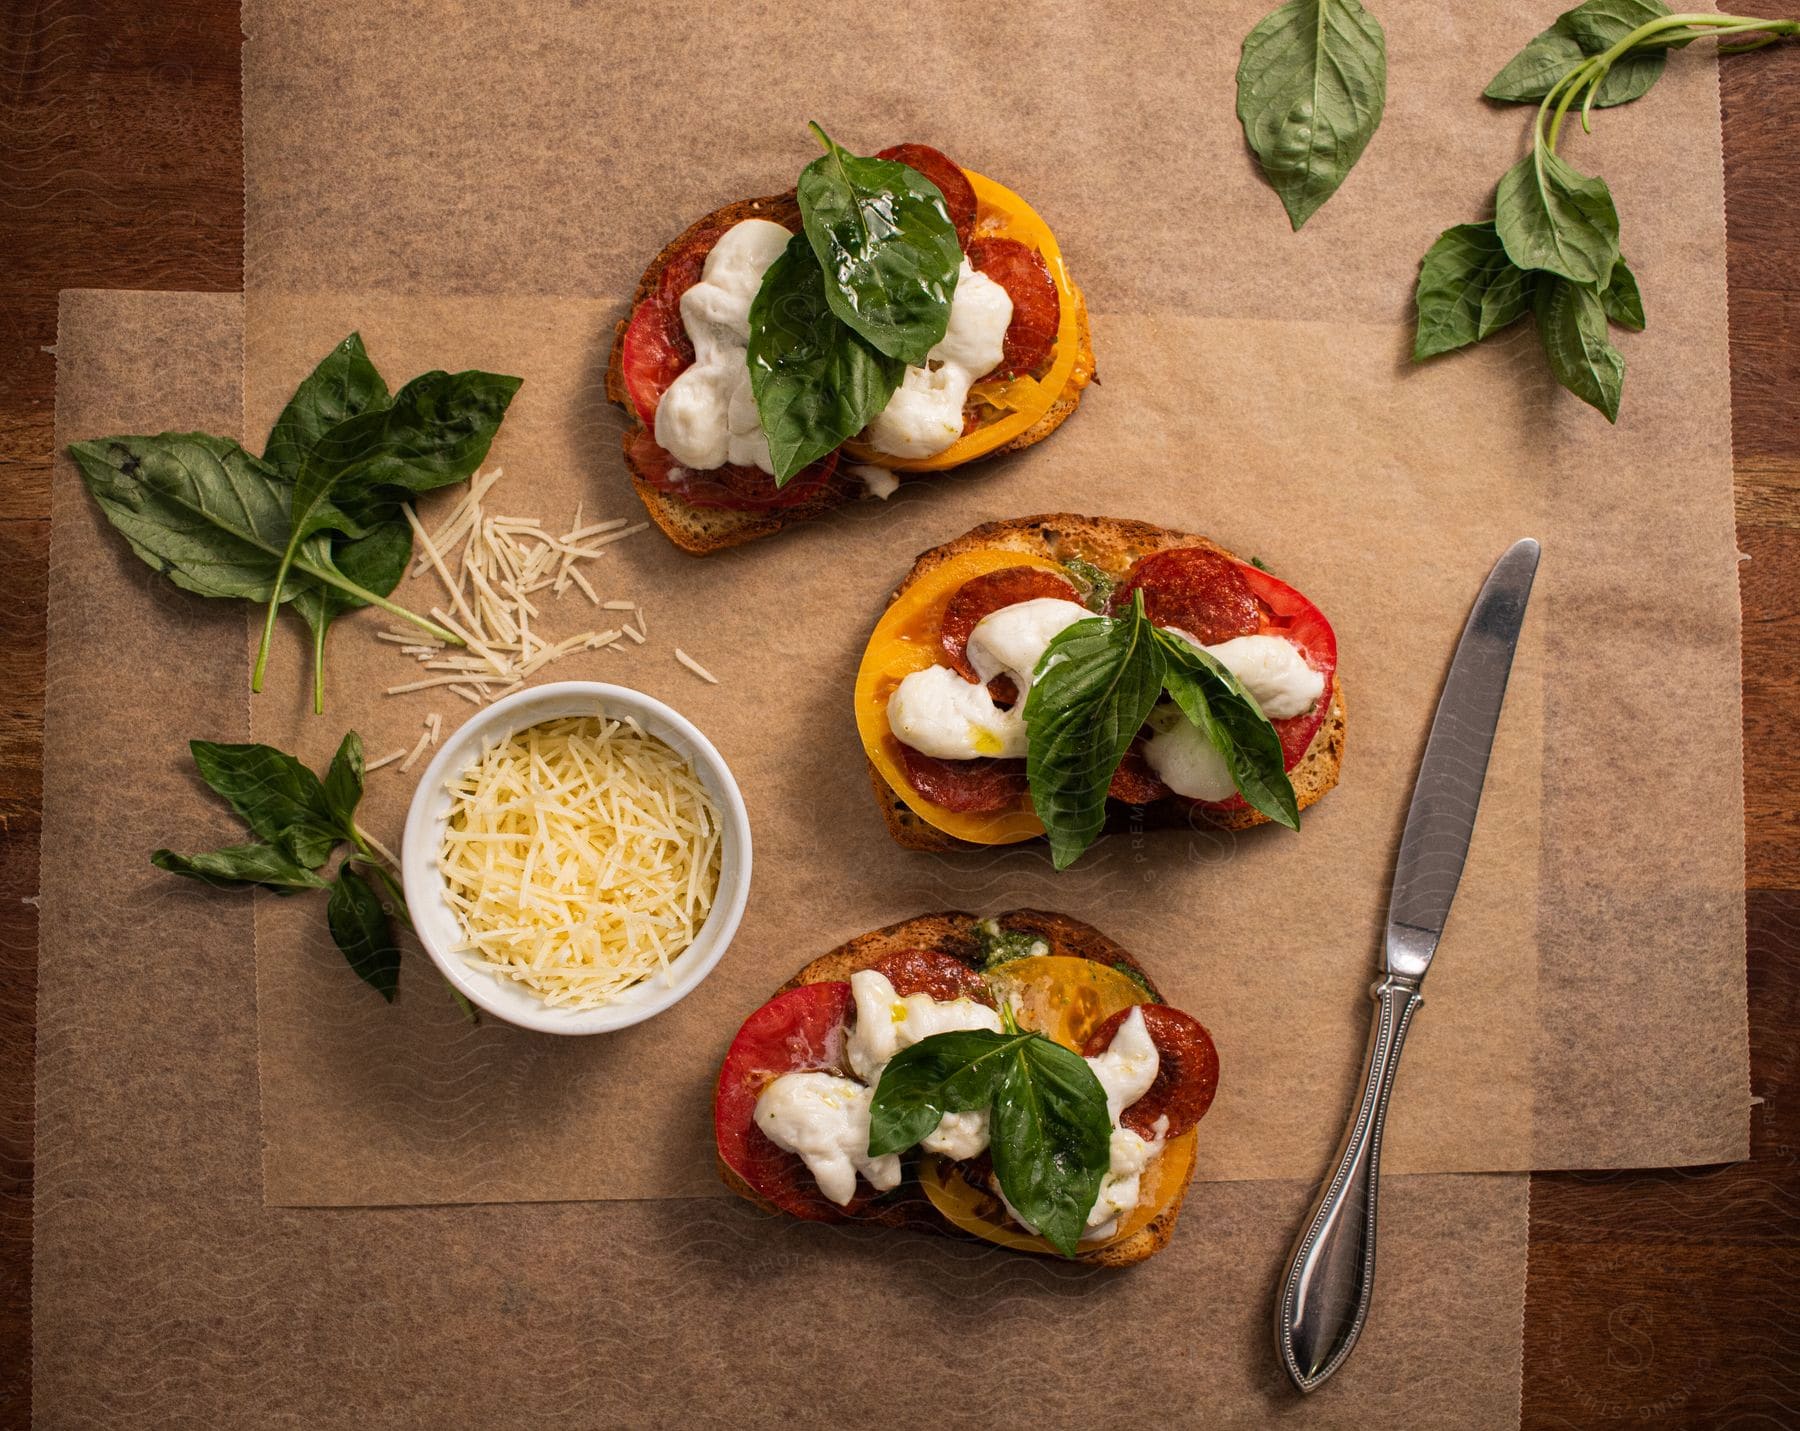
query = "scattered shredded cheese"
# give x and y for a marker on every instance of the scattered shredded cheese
(492, 566)
(695, 666)
(387, 759)
(581, 857)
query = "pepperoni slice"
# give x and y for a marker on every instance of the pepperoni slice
(1134, 782)
(985, 594)
(1037, 311)
(656, 349)
(730, 488)
(926, 971)
(800, 1030)
(1195, 590)
(953, 184)
(967, 787)
(1187, 1073)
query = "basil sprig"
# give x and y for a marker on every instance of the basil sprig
(222, 523)
(1090, 695)
(885, 246)
(860, 294)
(1311, 86)
(1552, 247)
(1049, 1135)
(299, 821)
(816, 382)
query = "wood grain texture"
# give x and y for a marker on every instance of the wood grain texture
(1655, 1298)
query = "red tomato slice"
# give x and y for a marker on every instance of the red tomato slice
(732, 488)
(656, 349)
(1037, 311)
(967, 787)
(1195, 590)
(800, 1030)
(926, 971)
(953, 184)
(1285, 612)
(1187, 1073)
(985, 594)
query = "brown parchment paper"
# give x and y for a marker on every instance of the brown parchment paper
(166, 1293)
(484, 190)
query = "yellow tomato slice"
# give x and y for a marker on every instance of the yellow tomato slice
(1000, 213)
(906, 640)
(1065, 999)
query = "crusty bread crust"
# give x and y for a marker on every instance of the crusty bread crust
(703, 530)
(955, 934)
(1113, 544)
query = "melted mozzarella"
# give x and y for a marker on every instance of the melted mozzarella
(887, 1023)
(1273, 671)
(824, 1119)
(1184, 759)
(1128, 1066)
(925, 414)
(938, 713)
(1126, 1070)
(708, 417)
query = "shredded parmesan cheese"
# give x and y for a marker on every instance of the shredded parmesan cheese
(695, 667)
(492, 566)
(581, 858)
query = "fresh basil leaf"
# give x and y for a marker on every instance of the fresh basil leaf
(344, 783)
(1601, 24)
(436, 431)
(886, 248)
(203, 512)
(274, 794)
(816, 382)
(1311, 86)
(1229, 717)
(1552, 217)
(1050, 1138)
(1089, 696)
(1572, 324)
(345, 385)
(359, 928)
(1621, 299)
(267, 866)
(200, 509)
(945, 1073)
(1468, 289)
(1578, 35)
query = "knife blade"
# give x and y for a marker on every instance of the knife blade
(1323, 1300)
(1441, 818)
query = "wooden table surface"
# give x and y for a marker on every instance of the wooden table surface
(1654, 1298)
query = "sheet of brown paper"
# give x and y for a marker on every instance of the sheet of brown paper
(166, 1291)
(471, 203)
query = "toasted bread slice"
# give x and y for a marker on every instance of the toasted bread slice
(703, 530)
(957, 935)
(1113, 544)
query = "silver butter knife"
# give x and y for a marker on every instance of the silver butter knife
(1324, 1298)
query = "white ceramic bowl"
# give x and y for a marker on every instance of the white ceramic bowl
(435, 920)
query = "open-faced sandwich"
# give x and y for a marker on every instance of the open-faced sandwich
(1015, 1079)
(887, 316)
(1040, 676)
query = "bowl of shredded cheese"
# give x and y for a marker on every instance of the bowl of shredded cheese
(576, 858)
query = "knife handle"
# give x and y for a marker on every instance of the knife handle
(1324, 1297)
